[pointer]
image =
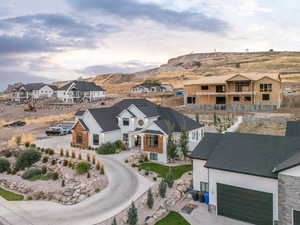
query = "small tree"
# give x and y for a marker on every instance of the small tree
(114, 221)
(73, 155)
(171, 145)
(61, 152)
(162, 188)
(67, 154)
(132, 215)
(102, 171)
(82, 167)
(197, 117)
(170, 178)
(79, 156)
(150, 199)
(94, 159)
(98, 166)
(18, 140)
(183, 142)
(63, 183)
(88, 157)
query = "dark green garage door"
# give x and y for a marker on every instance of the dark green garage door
(296, 217)
(246, 205)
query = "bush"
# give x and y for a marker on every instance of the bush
(120, 145)
(7, 153)
(55, 176)
(102, 171)
(4, 165)
(170, 178)
(27, 144)
(27, 158)
(32, 145)
(53, 162)
(150, 199)
(30, 173)
(98, 166)
(45, 159)
(162, 189)
(44, 170)
(82, 167)
(61, 152)
(88, 175)
(107, 149)
(65, 163)
(73, 155)
(63, 183)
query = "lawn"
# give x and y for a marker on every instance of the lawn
(162, 170)
(173, 218)
(47, 176)
(10, 196)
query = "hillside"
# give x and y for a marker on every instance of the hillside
(193, 66)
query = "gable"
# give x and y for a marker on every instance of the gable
(238, 77)
(267, 79)
(79, 127)
(136, 111)
(46, 88)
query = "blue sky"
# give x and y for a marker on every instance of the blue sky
(66, 39)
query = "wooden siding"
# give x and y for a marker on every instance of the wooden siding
(158, 149)
(85, 136)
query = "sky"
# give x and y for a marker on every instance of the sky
(67, 39)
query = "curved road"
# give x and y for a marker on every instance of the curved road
(125, 185)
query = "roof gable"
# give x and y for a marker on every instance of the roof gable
(238, 77)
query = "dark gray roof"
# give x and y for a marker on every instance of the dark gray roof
(251, 154)
(83, 86)
(79, 113)
(293, 129)
(83, 124)
(106, 118)
(207, 145)
(32, 86)
(289, 163)
(148, 85)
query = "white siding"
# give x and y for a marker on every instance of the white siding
(243, 181)
(200, 173)
(112, 136)
(195, 136)
(295, 172)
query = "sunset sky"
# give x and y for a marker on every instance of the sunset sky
(66, 39)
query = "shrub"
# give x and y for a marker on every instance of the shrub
(126, 161)
(4, 165)
(120, 145)
(18, 140)
(29, 197)
(61, 152)
(63, 183)
(32, 145)
(30, 173)
(133, 165)
(97, 190)
(55, 176)
(13, 171)
(107, 148)
(146, 158)
(27, 144)
(147, 172)
(7, 153)
(44, 170)
(88, 157)
(45, 159)
(79, 156)
(73, 155)
(27, 158)
(82, 167)
(70, 164)
(170, 178)
(65, 163)
(67, 154)
(150, 199)
(162, 189)
(50, 151)
(98, 166)
(132, 215)
(94, 159)
(88, 175)
(154, 178)
(8, 171)
(102, 171)
(53, 162)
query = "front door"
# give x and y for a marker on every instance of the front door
(138, 141)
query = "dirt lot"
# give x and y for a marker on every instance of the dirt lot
(263, 128)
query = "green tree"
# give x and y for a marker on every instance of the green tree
(114, 221)
(82, 167)
(4, 165)
(171, 145)
(184, 142)
(170, 178)
(132, 215)
(27, 158)
(162, 188)
(150, 199)
(18, 140)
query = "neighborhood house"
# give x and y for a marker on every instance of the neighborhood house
(250, 177)
(138, 123)
(242, 92)
(80, 91)
(153, 87)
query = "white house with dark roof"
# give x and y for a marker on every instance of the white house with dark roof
(138, 123)
(147, 88)
(80, 91)
(34, 91)
(250, 177)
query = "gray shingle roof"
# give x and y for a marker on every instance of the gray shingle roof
(79, 113)
(36, 86)
(83, 124)
(106, 118)
(83, 86)
(251, 154)
(293, 129)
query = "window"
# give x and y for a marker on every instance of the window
(236, 98)
(152, 141)
(265, 87)
(153, 156)
(191, 100)
(204, 187)
(96, 139)
(195, 135)
(247, 99)
(125, 139)
(242, 86)
(265, 97)
(220, 88)
(79, 138)
(141, 122)
(126, 122)
(204, 88)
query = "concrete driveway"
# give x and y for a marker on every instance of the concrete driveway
(125, 185)
(201, 216)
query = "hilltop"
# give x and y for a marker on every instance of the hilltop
(192, 66)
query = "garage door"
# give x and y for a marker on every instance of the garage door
(246, 205)
(296, 217)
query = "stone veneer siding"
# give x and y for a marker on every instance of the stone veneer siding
(288, 198)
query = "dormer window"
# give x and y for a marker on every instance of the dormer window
(126, 122)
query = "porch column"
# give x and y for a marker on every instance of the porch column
(142, 141)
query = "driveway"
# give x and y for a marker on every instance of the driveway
(201, 216)
(125, 185)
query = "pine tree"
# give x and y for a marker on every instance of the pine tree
(183, 142)
(114, 221)
(150, 199)
(162, 188)
(170, 178)
(132, 215)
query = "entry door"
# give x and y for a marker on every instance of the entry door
(244, 204)
(296, 217)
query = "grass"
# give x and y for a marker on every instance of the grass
(47, 176)
(10, 196)
(173, 218)
(162, 170)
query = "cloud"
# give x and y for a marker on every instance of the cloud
(126, 67)
(133, 10)
(48, 33)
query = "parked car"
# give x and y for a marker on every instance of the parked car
(56, 131)
(15, 124)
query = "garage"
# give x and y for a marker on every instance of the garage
(244, 204)
(296, 217)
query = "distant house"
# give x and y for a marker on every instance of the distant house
(34, 91)
(80, 91)
(138, 123)
(251, 177)
(146, 88)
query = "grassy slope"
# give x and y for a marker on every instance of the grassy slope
(162, 171)
(10, 196)
(173, 218)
